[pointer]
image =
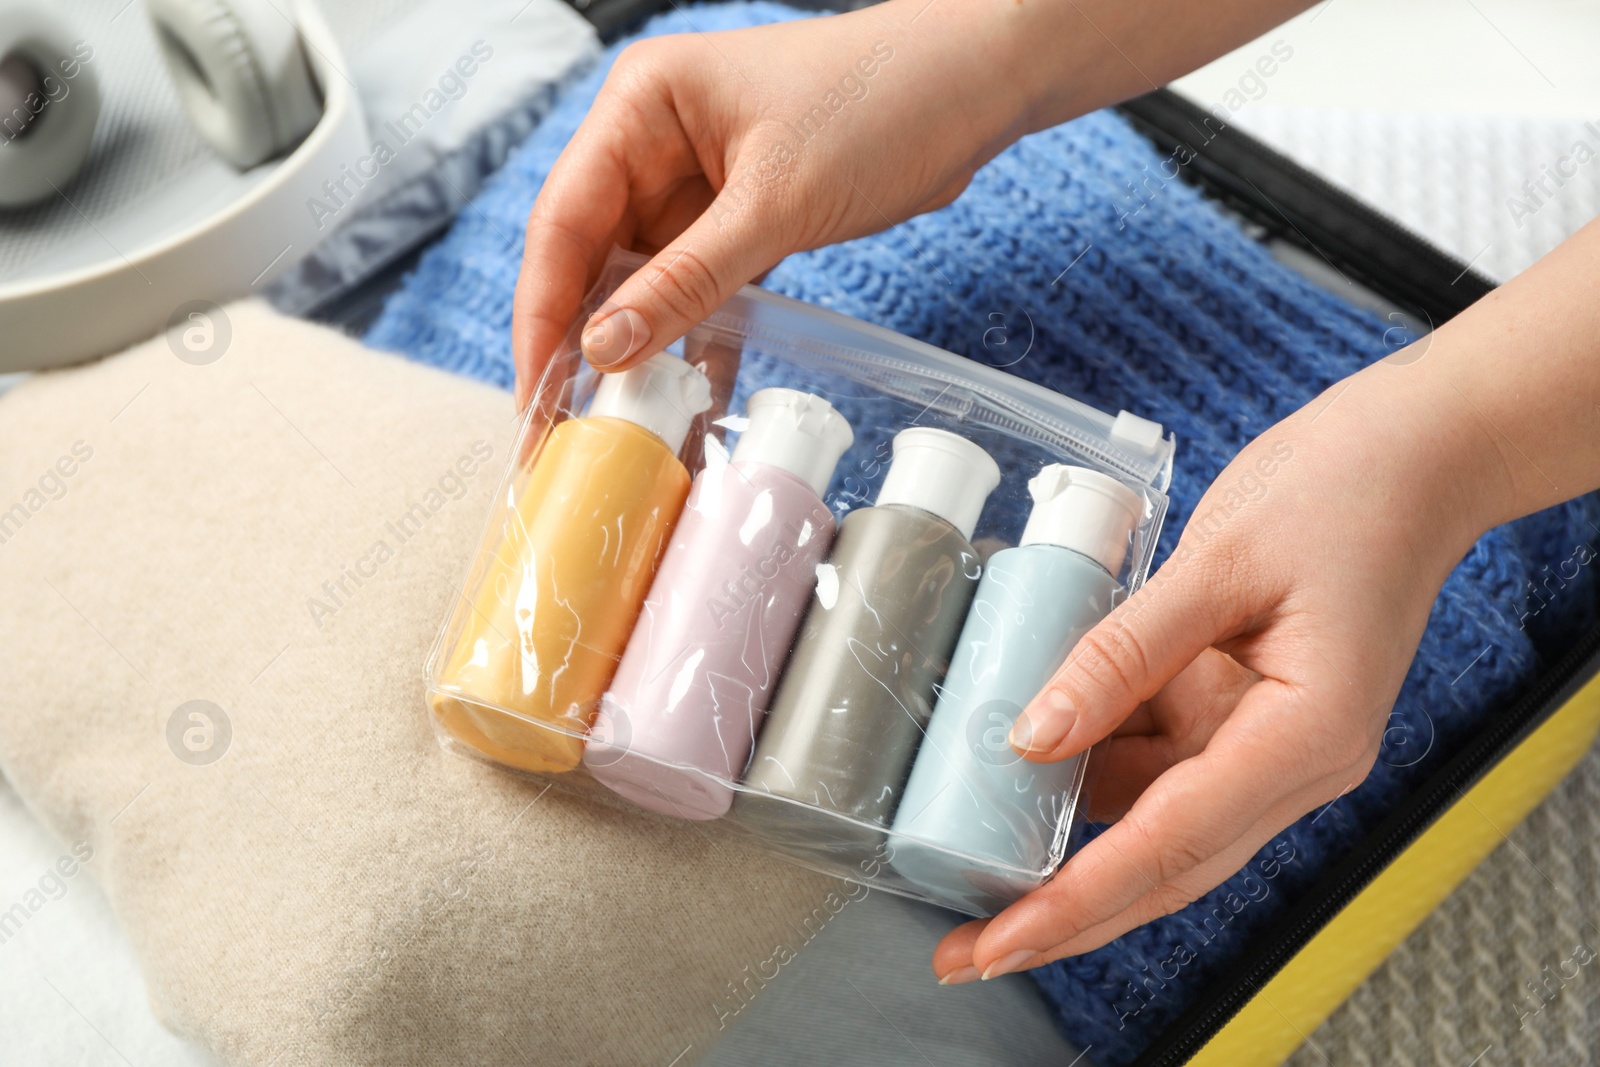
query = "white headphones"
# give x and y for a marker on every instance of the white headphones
(262, 80)
(239, 67)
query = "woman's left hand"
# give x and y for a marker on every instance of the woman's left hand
(1250, 680)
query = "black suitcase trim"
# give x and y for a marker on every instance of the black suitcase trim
(1299, 207)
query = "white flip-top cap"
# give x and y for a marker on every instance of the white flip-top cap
(663, 394)
(794, 431)
(937, 471)
(1083, 510)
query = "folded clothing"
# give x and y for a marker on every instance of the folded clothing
(448, 89)
(1071, 261)
(230, 576)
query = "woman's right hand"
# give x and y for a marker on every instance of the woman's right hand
(719, 154)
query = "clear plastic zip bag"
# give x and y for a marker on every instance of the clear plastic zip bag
(795, 577)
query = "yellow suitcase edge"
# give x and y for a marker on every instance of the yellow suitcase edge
(1312, 985)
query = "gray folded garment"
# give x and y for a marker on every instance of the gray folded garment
(863, 992)
(448, 88)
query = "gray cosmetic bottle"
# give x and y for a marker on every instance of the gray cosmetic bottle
(859, 687)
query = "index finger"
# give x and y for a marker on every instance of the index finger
(573, 224)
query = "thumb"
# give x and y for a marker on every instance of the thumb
(679, 287)
(1125, 660)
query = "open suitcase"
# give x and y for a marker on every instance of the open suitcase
(1298, 973)
(1292, 980)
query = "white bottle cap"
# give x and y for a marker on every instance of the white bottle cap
(1083, 510)
(663, 394)
(796, 432)
(937, 471)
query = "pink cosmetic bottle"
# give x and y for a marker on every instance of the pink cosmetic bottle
(683, 710)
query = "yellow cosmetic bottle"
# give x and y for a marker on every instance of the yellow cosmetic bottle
(582, 536)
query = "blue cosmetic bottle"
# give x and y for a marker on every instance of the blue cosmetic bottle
(978, 825)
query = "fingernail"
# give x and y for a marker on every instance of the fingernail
(1041, 729)
(1008, 963)
(1021, 735)
(616, 336)
(960, 976)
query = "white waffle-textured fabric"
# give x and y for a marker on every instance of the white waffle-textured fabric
(1455, 179)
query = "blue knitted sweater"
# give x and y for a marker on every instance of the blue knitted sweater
(1169, 309)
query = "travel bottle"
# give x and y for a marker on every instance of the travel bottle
(859, 687)
(970, 792)
(553, 610)
(716, 628)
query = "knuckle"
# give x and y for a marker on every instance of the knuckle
(1172, 897)
(951, 192)
(1366, 758)
(1325, 743)
(1214, 560)
(1172, 855)
(1114, 659)
(643, 70)
(1360, 751)
(769, 164)
(687, 285)
(637, 58)
(1344, 753)
(1175, 857)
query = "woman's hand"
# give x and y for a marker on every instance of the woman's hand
(1250, 680)
(719, 154)
(722, 153)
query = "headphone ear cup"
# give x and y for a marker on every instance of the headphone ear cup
(49, 102)
(241, 74)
